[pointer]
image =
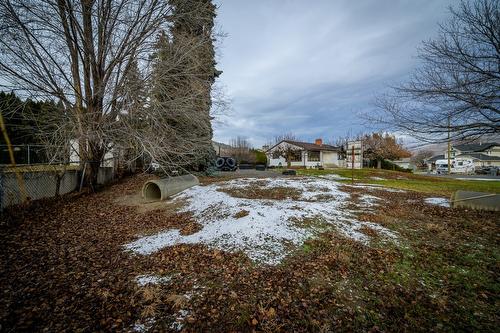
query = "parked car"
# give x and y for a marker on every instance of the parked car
(488, 170)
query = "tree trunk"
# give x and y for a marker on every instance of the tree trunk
(94, 158)
(58, 184)
(379, 164)
(91, 175)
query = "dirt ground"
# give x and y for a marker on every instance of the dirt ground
(64, 269)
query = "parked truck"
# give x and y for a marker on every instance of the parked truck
(458, 166)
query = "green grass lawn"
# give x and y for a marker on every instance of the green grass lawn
(408, 181)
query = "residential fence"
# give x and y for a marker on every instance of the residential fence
(24, 154)
(32, 182)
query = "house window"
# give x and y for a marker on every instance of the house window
(296, 156)
(313, 156)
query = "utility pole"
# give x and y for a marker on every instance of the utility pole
(449, 146)
(352, 167)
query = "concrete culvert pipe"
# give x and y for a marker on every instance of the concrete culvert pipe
(161, 189)
(476, 200)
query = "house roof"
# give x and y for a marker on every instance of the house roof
(402, 160)
(308, 146)
(220, 144)
(435, 158)
(476, 147)
(479, 156)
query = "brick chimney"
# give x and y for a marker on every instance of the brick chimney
(318, 142)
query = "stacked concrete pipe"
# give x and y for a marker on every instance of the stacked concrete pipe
(161, 189)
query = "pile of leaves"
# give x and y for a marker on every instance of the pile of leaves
(64, 268)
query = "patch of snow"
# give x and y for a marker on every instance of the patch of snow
(177, 325)
(143, 280)
(143, 327)
(377, 178)
(369, 200)
(196, 291)
(384, 231)
(262, 233)
(376, 187)
(443, 202)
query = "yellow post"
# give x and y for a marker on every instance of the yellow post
(20, 180)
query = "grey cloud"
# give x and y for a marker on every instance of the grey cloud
(309, 67)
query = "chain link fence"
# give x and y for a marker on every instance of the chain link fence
(35, 177)
(32, 182)
(18, 184)
(24, 154)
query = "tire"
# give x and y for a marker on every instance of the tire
(230, 162)
(219, 162)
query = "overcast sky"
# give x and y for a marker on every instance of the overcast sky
(309, 67)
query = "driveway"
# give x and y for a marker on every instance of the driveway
(472, 177)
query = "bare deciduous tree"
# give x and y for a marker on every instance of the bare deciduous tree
(285, 136)
(457, 88)
(379, 146)
(102, 60)
(241, 150)
(420, 156)
(287, 151)
(78, 52)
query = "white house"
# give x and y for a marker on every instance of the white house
(222, 149)
(354, 161)
(304, 154)
(108, 160)
(483, 154)
(404, 162)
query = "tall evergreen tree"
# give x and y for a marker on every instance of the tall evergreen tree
(133, 92)
(22, 129)
(184, 72)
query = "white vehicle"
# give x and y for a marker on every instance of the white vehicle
(458, 165)
(442, 167)
(463, 165)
